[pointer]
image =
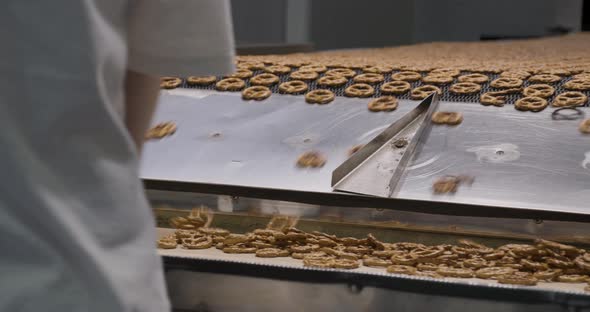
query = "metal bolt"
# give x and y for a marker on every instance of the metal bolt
(399, 143)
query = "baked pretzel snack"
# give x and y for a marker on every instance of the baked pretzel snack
(474, 78)
(406, 76)
(585, 128)
(539, 90)
(531, 103)
(319, 96)
(445, 72)
(266, 79)
(570, 98)
(161, 130)
(544, 78)
(257, 93)
(293, 87)
(311, 160)
(379, 69)
(526, 280)
(506, 82)
(584, 76)
(272, 253)
(332, 81)
(465, 88)
(424, 91)
(278, 69)
(383, 104)
(242, 73)
(200, 81)
(496, 98)
(395, 87)
(359, 90)
(437, 79)
(230, 84)
(318, 68)
(304, 75)
(170, 82)
(370, 78)
(447, 118)
(555, 71)
(577, 84)
(253, 65)
(519, 74)
(344, 72)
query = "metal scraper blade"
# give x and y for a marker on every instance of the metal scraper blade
(377, 167)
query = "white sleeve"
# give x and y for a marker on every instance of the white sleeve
(180, 37)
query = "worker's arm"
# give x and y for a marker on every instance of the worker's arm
(141, 94)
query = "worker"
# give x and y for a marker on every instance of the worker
(79, 80)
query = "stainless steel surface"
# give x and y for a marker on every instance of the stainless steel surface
(518, 159)
(378, 166)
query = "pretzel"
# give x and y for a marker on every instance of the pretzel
(379, 69)
(577, 85)
(496, 98)
(531, 103)
(533, 265)
(465, 88)
(395, 87)
(569, 98)
(406, 76)
(259, 245)
(585, 126)
(345, 264)
(266, 79)
(383, 104)
(437, 79)
(278, 69)
(506, 82)
(539, 90)
(318, 263)
(332, 81)
(401, 269)
(257, 93)
(239, 250)
(304, 75)
(318, 68)
(370, 78)
(424, 91)
(168, 242)
(445, 72)
(493, 272)
(200, 81)
(251, 65)
(230, 84)
(319, 96)
(568, 249)
(583, 76)
(311, 159)
(376, 262)
(518, 280)
(271, 253)
(572, 278)
(358, 249)
(234, 239)
(293, 87)
(447, 118)
(455, 272)
(544, 78)
(161, 130)
(197, 243)
(519, 74)
(170, 82)
(214, 231)
(344, 72)
(474, 78)
(547, 275)
(242, 73)
(359, 90)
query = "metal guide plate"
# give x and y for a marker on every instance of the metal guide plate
(517, 159)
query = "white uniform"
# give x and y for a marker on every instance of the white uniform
(76, 232)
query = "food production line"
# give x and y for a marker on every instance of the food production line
(515, 177)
